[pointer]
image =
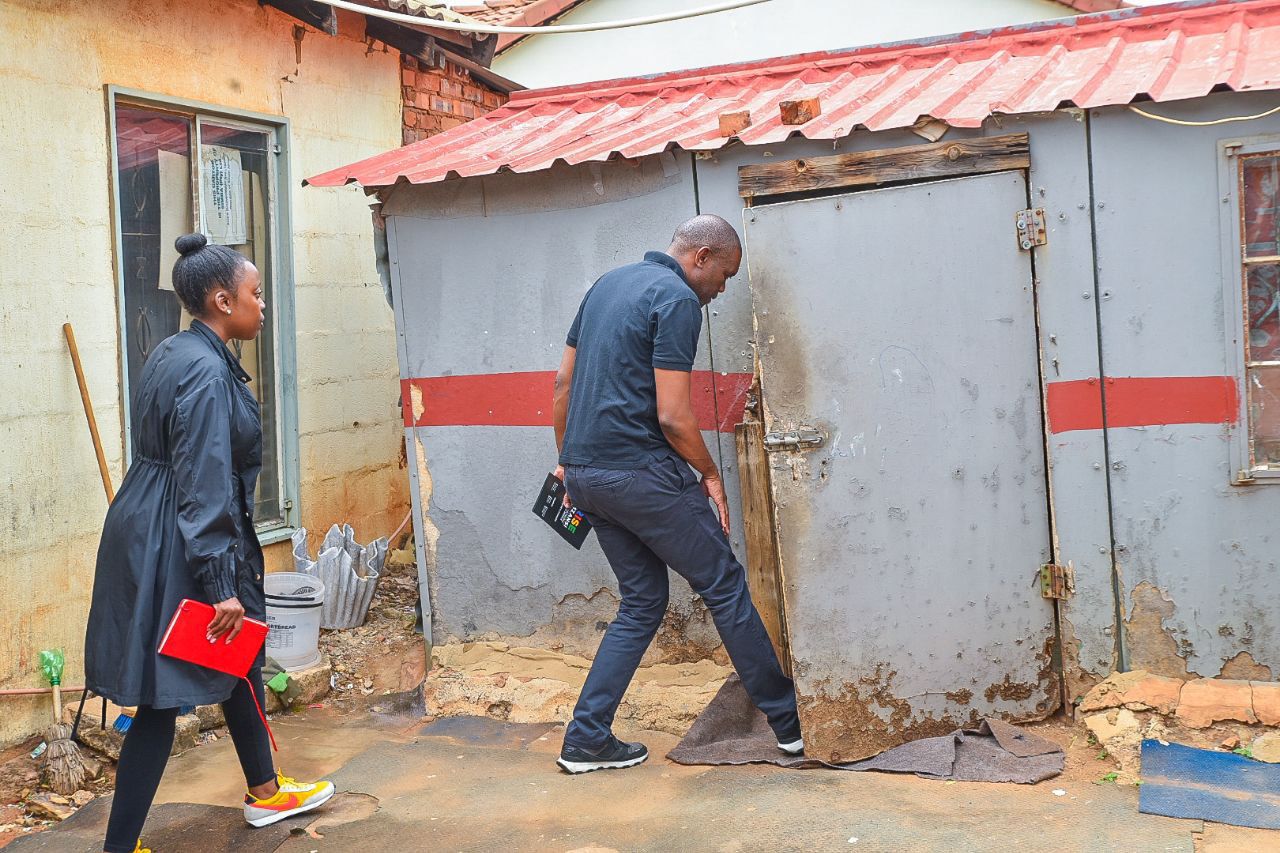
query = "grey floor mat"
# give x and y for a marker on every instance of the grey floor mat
(732, 731)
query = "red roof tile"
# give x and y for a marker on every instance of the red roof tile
(1164, 52)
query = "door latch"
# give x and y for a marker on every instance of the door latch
(796, 439)
(1031, 228)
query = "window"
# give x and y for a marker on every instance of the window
(178, 169)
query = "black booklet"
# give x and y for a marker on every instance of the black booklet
(569, 523)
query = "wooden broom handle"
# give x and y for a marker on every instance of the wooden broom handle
(88, 412)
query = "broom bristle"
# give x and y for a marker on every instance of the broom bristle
(64, 765)
(123, 721)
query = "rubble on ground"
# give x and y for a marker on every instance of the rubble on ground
(27, 805)
(527, 685)
(384, 655)
(1208, 713)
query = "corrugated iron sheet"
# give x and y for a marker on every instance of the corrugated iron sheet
(431, 9)
(1167, 53)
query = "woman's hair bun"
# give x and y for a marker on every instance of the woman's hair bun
(188, 243)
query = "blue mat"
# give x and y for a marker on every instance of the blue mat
(1181, 781)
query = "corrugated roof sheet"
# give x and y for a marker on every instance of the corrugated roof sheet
(1164, 52)
(514, 12)
(427, 9)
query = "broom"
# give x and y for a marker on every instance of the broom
(64, 765)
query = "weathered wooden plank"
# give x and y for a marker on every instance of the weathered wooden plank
(420, 44)
(887, 165)
(763, 576)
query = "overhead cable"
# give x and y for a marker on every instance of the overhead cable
(1210, 123)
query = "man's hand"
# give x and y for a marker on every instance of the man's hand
(559, 475)
(680, 426)
(228, 619)
(713, 486)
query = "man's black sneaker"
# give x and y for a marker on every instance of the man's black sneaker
(613, 756)
(790, 742)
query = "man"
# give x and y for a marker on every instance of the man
(627, 436)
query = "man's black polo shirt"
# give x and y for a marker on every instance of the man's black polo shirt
(635, 318)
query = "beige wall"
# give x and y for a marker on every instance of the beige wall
(343, 100)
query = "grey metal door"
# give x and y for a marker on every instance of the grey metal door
(901, 324)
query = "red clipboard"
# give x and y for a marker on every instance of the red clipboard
(187, 639)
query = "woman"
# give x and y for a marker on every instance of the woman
(182, 527)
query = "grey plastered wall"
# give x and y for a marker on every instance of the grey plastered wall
(1197, 554)
(488, 275)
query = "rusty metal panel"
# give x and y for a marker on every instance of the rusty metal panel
(1197, 554)
(1113, 58)
(1069, 348)
(902, 323)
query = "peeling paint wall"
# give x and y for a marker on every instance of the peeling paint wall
(1197, 555)
(1183, 584)
(343, 101)
(488, 274)
(1069, 352)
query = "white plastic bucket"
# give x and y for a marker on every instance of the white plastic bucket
(294, 602)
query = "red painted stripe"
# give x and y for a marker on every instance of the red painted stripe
(1074, 405)
(1137, 401)
(524, 399)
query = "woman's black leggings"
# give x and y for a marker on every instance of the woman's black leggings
(146, 752)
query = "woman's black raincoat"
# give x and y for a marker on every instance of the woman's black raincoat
(181, 525)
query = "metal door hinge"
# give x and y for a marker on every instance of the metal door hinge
(1031, 230)
(1057, 581)
(796, 439)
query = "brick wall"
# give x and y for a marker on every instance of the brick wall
(438, 97)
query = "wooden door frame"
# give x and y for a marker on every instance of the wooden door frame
(759, 524)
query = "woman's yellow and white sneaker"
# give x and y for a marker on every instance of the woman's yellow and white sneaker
(138, 848)
(293, 798)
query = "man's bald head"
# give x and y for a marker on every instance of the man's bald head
(708, 230)
(709, 251)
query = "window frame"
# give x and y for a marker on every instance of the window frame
(282, 277)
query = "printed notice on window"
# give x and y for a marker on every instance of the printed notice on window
(222, 186)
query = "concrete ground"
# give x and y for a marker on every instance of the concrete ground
(477, 784)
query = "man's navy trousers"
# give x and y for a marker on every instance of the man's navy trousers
(648, 519)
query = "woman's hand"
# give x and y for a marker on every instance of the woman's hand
(228, 619)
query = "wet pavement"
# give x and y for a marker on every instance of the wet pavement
(476, 784)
